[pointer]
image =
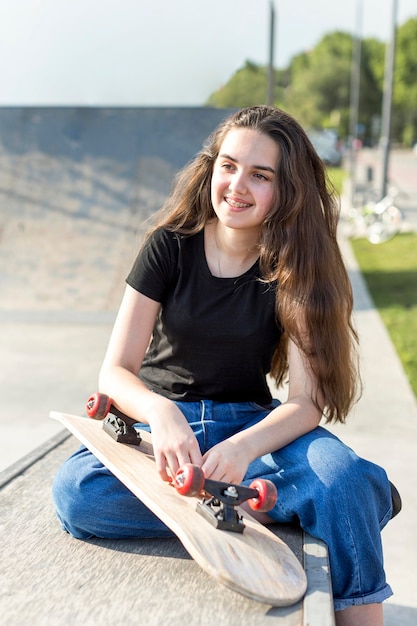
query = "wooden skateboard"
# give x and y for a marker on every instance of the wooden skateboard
(227, 542)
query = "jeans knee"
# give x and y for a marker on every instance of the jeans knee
(70, 503)
(79, 491)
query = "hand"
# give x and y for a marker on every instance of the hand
(174, 442)
(227, 461)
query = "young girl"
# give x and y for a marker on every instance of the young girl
(242, 276)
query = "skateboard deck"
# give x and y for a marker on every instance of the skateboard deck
(256, 563)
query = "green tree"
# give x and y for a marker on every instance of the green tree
(320, 88)
(315, 87)
(246, 87)
(319, 92)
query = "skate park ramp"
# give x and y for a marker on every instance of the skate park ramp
(76, 185)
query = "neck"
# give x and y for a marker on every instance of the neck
(234, 242)
(234, 251)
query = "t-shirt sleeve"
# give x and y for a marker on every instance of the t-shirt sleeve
(155, 266)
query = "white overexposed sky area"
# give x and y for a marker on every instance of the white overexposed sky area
(161, 52)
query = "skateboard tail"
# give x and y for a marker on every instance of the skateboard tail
(290, 584)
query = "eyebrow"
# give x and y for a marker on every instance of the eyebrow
(264, 168)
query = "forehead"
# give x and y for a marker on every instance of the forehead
(250, 146)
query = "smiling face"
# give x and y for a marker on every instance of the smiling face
(244, 178)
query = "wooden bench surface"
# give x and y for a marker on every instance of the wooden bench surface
(47, 577)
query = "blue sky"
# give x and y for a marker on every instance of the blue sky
(160, 52)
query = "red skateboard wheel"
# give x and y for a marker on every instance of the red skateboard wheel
(267, 495)
(189, 480)
(98, 406)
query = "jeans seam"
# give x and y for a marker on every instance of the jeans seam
(386, 518)
(358, 578)
(203, 424)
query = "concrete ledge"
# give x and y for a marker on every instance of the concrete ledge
(14, 470)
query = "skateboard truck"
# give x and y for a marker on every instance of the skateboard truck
(220, 499)
(122, 430)
(219, 509)
(116, 424)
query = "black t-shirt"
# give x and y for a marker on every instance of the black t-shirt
(214, 337)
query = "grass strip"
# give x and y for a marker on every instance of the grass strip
(336, 175)
(390, 272)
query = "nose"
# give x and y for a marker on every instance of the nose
(238, 182)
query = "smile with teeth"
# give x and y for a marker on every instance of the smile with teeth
(236, 204)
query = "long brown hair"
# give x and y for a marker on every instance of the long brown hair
(298, 250)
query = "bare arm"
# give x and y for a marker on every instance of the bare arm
(174, 441)
(229, 460)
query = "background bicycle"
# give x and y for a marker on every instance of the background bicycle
(377, 219)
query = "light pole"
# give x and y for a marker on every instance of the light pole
(354, 97)
(387, 100)
(270, 86)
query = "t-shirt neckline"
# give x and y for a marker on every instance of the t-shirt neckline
(252, 271)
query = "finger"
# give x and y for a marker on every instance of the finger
(211, 469)
(161, 467)
(196, 457)
(217, 468)
(190, 454)
(173, 464)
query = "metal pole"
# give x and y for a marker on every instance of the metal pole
(387, 100)
(270, 87)
(355, 79)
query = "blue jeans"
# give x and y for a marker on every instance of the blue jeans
(322, 485)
